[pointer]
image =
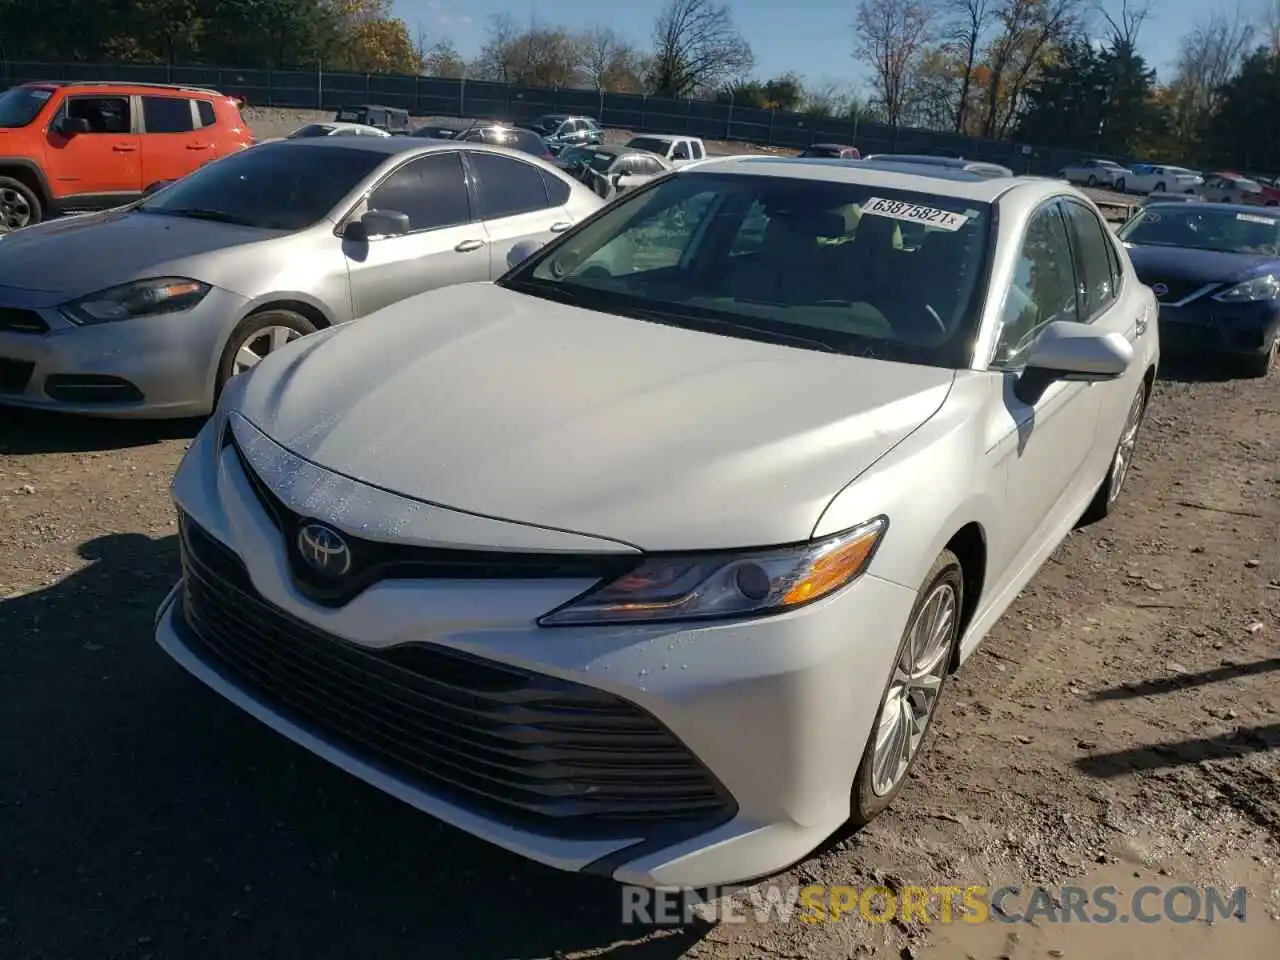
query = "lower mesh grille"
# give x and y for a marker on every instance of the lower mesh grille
(570, 757)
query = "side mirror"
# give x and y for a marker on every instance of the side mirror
(70, 126)
(377, 223)
(521, 251)
(1072, 351)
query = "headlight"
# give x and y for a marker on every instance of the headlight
(1259, 288)
(729, 584)
(142, 298)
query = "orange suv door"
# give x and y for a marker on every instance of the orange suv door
(172, 143)
(101, 167)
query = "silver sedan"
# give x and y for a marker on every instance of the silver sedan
(147, 310)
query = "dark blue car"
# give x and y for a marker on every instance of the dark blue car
(1215, 269)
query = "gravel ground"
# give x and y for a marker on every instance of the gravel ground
(1122, 717)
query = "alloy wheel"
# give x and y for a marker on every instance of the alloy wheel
(15, 210)
(918, 675)
(261, 343)
(1124, 450)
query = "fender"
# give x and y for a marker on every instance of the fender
(47, 198)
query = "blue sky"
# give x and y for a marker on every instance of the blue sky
(812, 37)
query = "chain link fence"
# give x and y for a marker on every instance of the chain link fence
(435, 96)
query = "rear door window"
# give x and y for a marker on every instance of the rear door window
(507, 187)
(207, 115)
(167, 115)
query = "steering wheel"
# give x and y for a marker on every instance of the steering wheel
(596, 272)
(918, 320)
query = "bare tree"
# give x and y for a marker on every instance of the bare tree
(1209, 56)
(696, 45)
(1271, 26)
(1125, 22)
(610, 62)
(970, 24)
(1028, 31)
(535, 56)
(891, 35)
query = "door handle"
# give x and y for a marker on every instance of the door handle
(197, 146)
(467, 246)
(561, 227)
(123, 148)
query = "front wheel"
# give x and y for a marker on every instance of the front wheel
(1108, 494)
(1159, 187)
(910, 697)
(256, 337)
(1260, 364)
(19, 206)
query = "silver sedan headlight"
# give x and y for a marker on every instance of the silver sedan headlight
(141, 298)
(703, 586)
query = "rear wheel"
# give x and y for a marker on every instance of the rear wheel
(910, 696)
(1119, 185)
(19, 206)
(1092, 181)
(1159, 187)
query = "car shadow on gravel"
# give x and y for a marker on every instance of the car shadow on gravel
(39, 431)
(147, 817)
(1179, 369)
(1240, 742)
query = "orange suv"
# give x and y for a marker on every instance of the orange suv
(69, 147)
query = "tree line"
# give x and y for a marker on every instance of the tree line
(1068, 73)
(1055, 73)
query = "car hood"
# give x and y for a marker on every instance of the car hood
(1156, 264)
(501, 404)
(79, 255)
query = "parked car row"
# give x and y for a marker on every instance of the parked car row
(1139, 178)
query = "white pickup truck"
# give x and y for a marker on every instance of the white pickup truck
(676, 150)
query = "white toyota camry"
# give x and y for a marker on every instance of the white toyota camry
(652, 558)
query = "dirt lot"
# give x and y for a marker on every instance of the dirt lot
(1122, 724)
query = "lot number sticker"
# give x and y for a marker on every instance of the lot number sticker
(1254, 218)
(915, 213)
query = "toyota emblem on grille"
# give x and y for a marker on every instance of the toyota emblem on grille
(1159, 289)
(324, 550)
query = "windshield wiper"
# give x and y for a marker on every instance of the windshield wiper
(200, 213)
(661, 315)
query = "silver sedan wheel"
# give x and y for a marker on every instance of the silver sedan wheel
(259, 344)
(1124, 450)
(15, 211)
(913, 692)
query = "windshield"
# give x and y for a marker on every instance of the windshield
(312, 130)
(20, 105)
(600, 162)
(840, 267)
(273, 186)
(1204, 228)
(546, 124)
(651, 144)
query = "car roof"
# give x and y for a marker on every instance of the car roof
(122, 85)
(830, 146)
(388, 146)
(370, 106)
(941, 180)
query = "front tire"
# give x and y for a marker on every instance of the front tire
(1260, 364)
(1108, 494)
(910, 697)
(256, 337)
(19, 206)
